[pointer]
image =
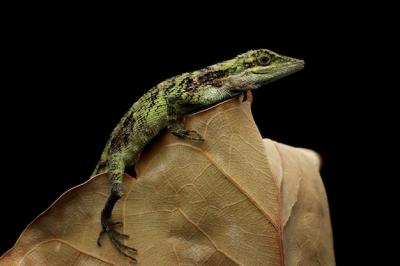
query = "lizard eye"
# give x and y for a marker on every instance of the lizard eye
(264, 60)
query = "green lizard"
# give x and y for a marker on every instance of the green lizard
(164, 106)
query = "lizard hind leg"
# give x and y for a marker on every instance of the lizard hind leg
(108, 226)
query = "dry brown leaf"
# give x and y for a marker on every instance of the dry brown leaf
(234, 199)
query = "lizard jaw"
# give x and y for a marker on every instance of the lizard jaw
(292, 66)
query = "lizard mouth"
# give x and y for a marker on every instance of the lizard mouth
(286, 69)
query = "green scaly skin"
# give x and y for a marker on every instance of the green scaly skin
(164, 106)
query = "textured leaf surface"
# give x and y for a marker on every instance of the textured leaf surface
(235, 199)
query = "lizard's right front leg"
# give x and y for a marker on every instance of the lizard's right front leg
(117, 168)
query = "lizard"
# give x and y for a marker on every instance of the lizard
(165, 105)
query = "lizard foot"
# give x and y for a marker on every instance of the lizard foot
(180, 131)
(115, 236)
(193, 135)
(108, 227)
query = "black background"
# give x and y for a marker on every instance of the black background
(70, 77)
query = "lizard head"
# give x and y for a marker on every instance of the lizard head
(254, 69)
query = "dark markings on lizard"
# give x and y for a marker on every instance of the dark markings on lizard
(121, 138)
(187, 83)
(129, 121)
(212, 75)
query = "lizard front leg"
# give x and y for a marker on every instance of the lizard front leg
(175, 125)
(201, 97)
(117, 167)
(179, 130)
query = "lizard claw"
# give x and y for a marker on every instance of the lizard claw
(193, 135)
(115, 236)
